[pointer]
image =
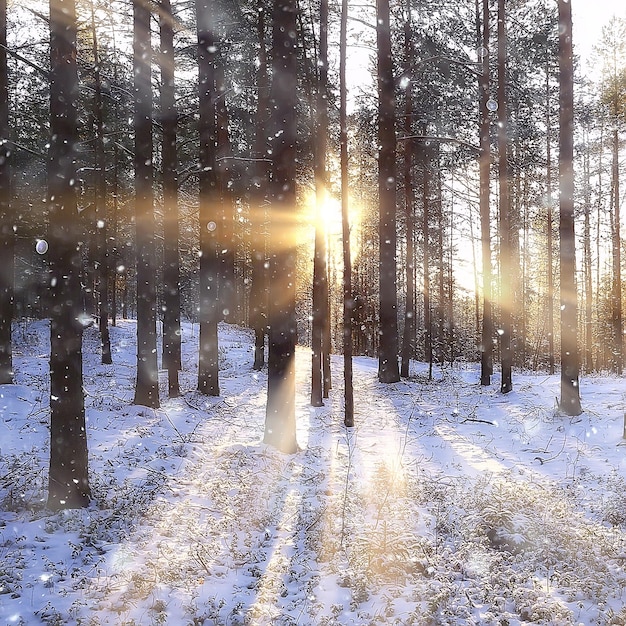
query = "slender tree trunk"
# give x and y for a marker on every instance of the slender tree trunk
(587, 264)
(450, 284)
(115, 252)
(441, 327)
(171, 263)
(523, 251)
(209, 198)
(280, 417)
(506, 277)
(7, 236)
(327, 383)
(428, 332)
(486, 348)
(549, 227)
(617, 261)
(600, 361)
(100, 195)
(320, 271)
(570, 393)
(408, 340)
(226, 230)
(258, 302)
(475, 273)
(388, 371)
(347, 259)
(68, 485)
(147, 384)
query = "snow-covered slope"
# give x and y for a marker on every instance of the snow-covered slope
(447, 503)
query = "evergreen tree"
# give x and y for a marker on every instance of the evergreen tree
(570, 392)
(209, 198)
(388, 371)
(169, 162)
(147, 383)
(7, 236)
(280, 418)
(68, 484)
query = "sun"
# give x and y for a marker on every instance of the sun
(325, 212)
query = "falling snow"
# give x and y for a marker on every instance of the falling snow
(448, 503)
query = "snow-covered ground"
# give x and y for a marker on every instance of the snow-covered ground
(447, 503)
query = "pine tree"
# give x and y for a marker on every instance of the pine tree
(347, 257)
(147, 383)
(570, 392)
(171, 263)
(7, 240)
(68, 484)
(210, 218)
(280, 417)
(388, 371)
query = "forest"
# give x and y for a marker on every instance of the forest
(205, 202)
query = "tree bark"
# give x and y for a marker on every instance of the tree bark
(209, 198)
(408, 340)
(7, 235)
(486, 346)
(428, 324)
(171, 262)
(226, 232)
(68, 485)
(320, 271)
(617, 262)
(100, 195)
(147, 384)
(570, 393)
(549, 226)
(388, 371)
(347, 258)
(280, 417)
(506, 291)
(258, 299)
(587, 268)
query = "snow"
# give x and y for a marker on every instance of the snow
(447, 503)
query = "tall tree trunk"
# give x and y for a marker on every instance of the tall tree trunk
(280, 416)
(506, 288)
(171, 262)
(327, 383)
(388, 371)
(428, 325)
(258, 302)
(441, 326)
(226, 251)
(486, 347)
(408, 339)
(68, 485)
(587, 264)
(450, 284)
(523, 251)
(209, 198)
(320, 271)
(347, 259)
(617, 261)
(549, 226)
(7, 236)
(100, 195)
(115, 250)
(570, 393)
(147, 384)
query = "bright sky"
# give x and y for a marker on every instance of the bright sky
(589, 17)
